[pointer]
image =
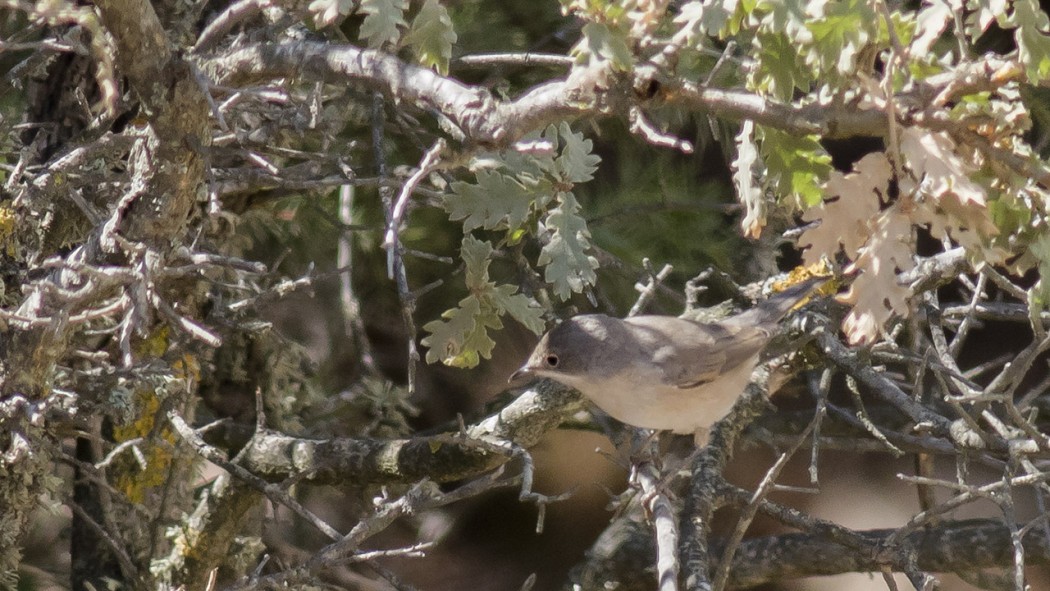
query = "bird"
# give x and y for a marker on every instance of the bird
(662, 372)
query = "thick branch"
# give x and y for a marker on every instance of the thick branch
(475, 113)
(168, 172)
(808, 120)
(178, 116)
(958, 546)
(951, 547)
(483, 119)
(441, 458)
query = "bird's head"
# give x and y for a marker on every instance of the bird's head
(569, 350)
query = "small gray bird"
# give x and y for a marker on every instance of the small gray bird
(662, 372)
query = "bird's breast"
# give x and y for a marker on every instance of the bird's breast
(639, 397)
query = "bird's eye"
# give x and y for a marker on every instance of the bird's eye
(552, 361)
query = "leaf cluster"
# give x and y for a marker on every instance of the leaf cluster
(517, 193)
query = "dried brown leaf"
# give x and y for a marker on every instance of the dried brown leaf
(852, 202)
(948, 201)
(875, 294)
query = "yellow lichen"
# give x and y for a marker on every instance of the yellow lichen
(7, 230)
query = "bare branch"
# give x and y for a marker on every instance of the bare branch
(441, 458)
(951, 547)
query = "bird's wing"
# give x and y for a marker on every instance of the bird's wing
(692, 353)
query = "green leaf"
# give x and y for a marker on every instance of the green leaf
(500, 299)
(796, 164)
(529, 169)
(703, 18)
(982, 13)
(479, 343)
(532, 169)
(778, 71)
(462, 338)
(520, 307)
(784, 16)
(1033, 39)
(432, 36)
(603, 43)
(568, 266)
(781, 38)
(383, 21)
(1011, 215)
(448, 338)
(576, 164)
(476, 255)
(847, 26)
(495, 201)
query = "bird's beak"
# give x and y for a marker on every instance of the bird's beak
(523, 372)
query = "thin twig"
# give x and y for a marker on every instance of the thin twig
(235, 13)
(656, 502)
(127, 567)
(721, 578)
(485, 60)
(353, 324)
(395, 263)
(968, 319)
(641, 126)
(430, 163)
(648, 291)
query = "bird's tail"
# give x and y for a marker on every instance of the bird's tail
(773, 309)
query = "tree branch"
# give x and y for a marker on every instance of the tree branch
(950, 547)
(441, 458)
(478, 117)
